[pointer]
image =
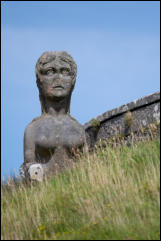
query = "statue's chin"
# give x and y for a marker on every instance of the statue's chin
(58, 94)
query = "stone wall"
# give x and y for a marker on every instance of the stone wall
(130, 118)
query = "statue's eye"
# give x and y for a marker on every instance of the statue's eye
(65, 71)
(50, 71)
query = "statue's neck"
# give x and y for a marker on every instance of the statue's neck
(56, 107)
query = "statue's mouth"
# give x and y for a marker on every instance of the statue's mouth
(58, 87)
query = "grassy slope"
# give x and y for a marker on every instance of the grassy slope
(109, 194)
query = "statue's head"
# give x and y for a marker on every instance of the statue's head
(55, 76)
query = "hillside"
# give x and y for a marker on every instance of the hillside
(111, 193)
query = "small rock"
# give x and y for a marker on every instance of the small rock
(36, 172)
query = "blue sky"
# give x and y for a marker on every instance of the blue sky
(116, 46)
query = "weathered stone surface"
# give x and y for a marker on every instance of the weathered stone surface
(36, 172)
(125, 119)
(52, 140)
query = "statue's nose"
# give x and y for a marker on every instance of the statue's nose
(57, 80)
(58, 76)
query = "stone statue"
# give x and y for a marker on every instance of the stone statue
(52, 140)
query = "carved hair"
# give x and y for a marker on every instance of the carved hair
(47, 57)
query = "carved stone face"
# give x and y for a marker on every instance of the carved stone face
(56, 79)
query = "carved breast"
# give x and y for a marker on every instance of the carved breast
(51, 133)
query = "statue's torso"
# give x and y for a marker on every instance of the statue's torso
(57, 138)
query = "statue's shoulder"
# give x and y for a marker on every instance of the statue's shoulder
(76, 122)
(72, 118)
(36, 119)
(31, 125)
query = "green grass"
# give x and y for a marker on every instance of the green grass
(111, 194)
